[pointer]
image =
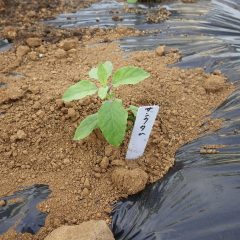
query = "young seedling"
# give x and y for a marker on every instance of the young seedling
(112, 117)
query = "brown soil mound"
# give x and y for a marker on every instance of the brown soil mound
(37, 128)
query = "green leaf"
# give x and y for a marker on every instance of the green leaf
(112, 120)
(129, 75)
(86, 127)
(102, 74)
(102, 92)
(109, 67)
(133, 109)
(79, 90)
(93, 73)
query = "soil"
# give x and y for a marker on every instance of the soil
(36, 127)
(21, 19)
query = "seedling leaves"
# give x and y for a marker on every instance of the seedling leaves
(79, 90)
(102, 74)
(129, 75)
(93, 73)
(86, 127)
(112, 120)
(112, 117)
(102, 92)
(109, 67)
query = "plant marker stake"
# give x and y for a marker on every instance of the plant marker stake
(145, 119)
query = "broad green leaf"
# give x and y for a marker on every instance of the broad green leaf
(129, 75)
(109, 67)
(93, 73)
(102, 74)
(102, 92)
(133, 109)
(86, 127)
(112, 120)
(79, 90)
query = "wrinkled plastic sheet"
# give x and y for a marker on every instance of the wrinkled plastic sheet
(20, 212)
(199, 198)
(4, 45)
(206, 32)
(100, 15)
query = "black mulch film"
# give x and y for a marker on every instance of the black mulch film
(20, 212)
(199, 199)
(4, 45)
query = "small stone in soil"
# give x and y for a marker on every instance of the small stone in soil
(214, 84)
(104, 163)
(60, 53)
(68, 44)
(34, 42)
(160, 51)
(85, 192)
(2, 203)
(118, 163)
(108, 150)
(86, 183)
(85, 231)
(130, 181)
(66, 161)
(71, 112)
(21, 134)
(59, 103)
(22, 51)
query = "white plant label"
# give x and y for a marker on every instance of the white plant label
(145, 119)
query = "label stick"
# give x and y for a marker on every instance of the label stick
(145, 119)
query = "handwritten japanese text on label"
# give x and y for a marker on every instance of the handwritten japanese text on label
(141, 131)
